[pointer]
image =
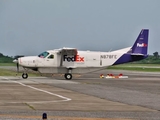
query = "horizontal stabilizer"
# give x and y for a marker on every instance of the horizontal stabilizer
(137, 54)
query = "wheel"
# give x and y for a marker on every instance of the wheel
(24, 75)
(68, 76)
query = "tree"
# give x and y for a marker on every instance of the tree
(1, 55)
(156, 55)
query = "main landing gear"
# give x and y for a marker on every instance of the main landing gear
(68, 76)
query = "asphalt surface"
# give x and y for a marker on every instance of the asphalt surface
(86, 97)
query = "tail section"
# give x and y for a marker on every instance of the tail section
(141, 44)
(138, 51)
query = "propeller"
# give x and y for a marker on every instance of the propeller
(16, 61)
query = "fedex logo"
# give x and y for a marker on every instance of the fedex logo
(142, 45)
(75, 58)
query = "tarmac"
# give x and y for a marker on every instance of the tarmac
(85, 97)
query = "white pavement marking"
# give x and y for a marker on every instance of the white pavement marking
(60, 96)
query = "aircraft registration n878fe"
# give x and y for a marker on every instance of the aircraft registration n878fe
(70, 61)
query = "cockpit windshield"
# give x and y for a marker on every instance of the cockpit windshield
(43, 55)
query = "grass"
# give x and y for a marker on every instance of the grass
(137, 67)
(5, 72)
(7, 64)
(30, 106)
(133, 64)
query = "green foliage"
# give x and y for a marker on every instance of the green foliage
(149, 60)
(156, 55)
(1, 55)
(6, 59)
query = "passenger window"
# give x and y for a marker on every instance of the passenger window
(51, 57)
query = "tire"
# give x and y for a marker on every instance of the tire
(68, 76)
(24, 75)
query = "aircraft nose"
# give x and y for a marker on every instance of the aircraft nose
(15, 61)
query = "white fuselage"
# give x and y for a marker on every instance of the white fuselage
(83, 62)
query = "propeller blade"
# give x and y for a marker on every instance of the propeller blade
(17, 67)
(17, 61)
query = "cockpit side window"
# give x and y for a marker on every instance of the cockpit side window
(51, 57)
(43, 55)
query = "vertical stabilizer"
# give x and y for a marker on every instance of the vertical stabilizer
(141, 44)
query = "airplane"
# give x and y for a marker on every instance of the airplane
(70, 61)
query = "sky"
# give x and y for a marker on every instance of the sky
(30, 27)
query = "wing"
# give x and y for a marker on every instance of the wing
(68, 51)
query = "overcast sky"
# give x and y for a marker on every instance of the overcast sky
(29, 27)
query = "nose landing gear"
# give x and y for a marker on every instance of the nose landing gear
(24, 75)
